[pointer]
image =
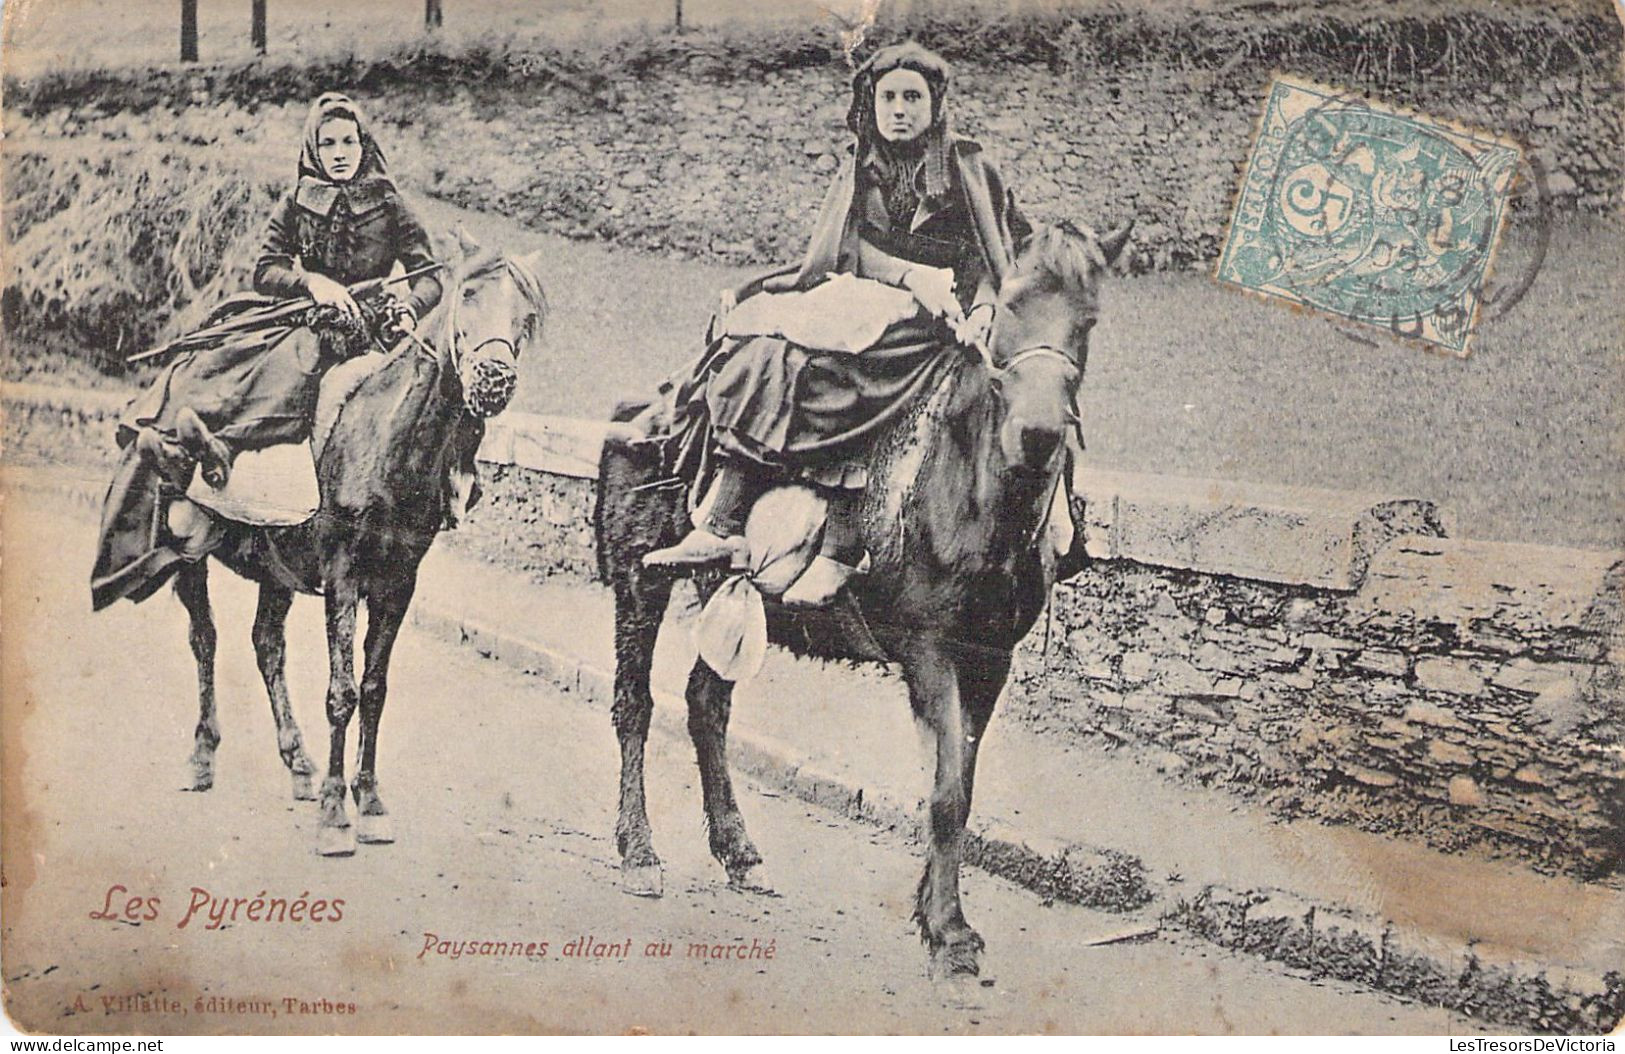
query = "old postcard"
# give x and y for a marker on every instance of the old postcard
(537, 517)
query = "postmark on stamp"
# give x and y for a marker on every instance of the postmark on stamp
(1369, 213)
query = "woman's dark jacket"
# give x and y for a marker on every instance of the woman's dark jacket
(786, 407)
(350, 234)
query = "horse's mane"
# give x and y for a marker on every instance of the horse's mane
(1065, 256)
(486, 263)
(949, 416)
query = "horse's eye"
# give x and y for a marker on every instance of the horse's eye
(469, 294)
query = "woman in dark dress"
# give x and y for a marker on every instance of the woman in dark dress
(914, 207)
(343, 222)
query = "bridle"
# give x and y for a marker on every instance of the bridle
(450, 331)
(1038, 351)
(1075, 375)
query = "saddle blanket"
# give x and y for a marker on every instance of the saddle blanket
(273, 487)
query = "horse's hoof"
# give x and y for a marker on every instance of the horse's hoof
(304, 788)
(959, 958)
(198, 778)
(643, 880)
(750, 878)
(374, 830)
(335, 841)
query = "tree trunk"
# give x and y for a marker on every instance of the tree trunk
(188, 30)
(433, 16)
(257, 31)
(678, 22)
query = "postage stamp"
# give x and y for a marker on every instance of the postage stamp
(1366, 212)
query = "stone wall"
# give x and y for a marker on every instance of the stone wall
(1464, 693)
(689, 146)
(1333, 654)
(1336, 655)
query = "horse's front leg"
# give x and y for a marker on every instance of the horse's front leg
(640, 601)
(386, 610)
(335, 836)
(933, 684)
(710, 698)
(192, 586)
(271, 649)
(982, 674)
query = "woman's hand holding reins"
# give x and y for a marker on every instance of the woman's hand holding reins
(976, 328)
(402, 320)
(329, 293)
(933, 287)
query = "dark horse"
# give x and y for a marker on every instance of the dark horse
(382, 470)
(960, 488)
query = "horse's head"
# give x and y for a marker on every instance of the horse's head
(1040, 338)
(491, 312)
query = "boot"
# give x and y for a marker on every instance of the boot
(839, 557)
(721, 535)
(213, 456)
(819, 585)
(165, 455)
(701, 546)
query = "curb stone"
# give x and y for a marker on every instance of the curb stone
(1270, 923)
(1088, 876)
(1325, 940)
(1377, 953)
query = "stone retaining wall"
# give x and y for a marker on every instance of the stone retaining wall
(1334, 654)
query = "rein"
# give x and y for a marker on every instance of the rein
(449, 329)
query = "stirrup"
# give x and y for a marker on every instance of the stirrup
(819, 585)
(700, 546)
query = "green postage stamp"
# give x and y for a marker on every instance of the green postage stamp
(1366, 212)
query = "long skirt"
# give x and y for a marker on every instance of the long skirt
(256, 390)
(787, 408)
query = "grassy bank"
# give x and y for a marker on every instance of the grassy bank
(1360, 43)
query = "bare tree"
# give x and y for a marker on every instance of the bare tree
(188, 30)
(257, 31)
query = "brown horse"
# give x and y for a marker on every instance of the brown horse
(385, 455)
(960, 488)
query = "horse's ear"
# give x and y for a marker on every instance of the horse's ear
(466, 241)
(1111, 243)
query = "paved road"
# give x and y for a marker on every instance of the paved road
(503, 794)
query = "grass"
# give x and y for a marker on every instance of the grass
(130, 59)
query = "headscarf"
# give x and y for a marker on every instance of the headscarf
(861, 117)
(328, 106)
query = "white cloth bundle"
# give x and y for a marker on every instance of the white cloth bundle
(845, 314)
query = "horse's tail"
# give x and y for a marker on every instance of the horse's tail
(619, 474)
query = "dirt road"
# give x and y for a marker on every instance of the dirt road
(503, 797)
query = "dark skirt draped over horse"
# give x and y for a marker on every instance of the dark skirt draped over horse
(804, 411)
(252, 390)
